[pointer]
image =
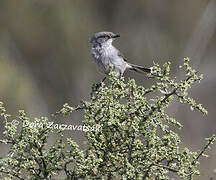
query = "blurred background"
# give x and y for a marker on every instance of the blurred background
(45, 56)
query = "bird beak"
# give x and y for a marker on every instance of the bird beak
(116, 36)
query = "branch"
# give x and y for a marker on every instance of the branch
(204, 149)
(166, 167)
(163, 100)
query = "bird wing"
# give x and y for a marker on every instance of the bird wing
(134, 67)
(121, 55)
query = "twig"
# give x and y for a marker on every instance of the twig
(68, 110)
(166, 167)
(13, 174)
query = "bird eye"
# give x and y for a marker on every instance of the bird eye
(103, 38)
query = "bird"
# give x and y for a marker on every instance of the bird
(106, 55)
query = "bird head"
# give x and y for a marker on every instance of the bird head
(103, 38)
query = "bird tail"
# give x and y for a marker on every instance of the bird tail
(139, 69)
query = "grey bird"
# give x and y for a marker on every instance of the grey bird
(105, 55)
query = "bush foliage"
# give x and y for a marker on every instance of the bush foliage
(137, 138)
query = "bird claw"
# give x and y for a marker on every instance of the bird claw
(98, 85)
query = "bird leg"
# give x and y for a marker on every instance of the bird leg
(100, 83)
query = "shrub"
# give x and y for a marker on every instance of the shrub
(134, 137)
